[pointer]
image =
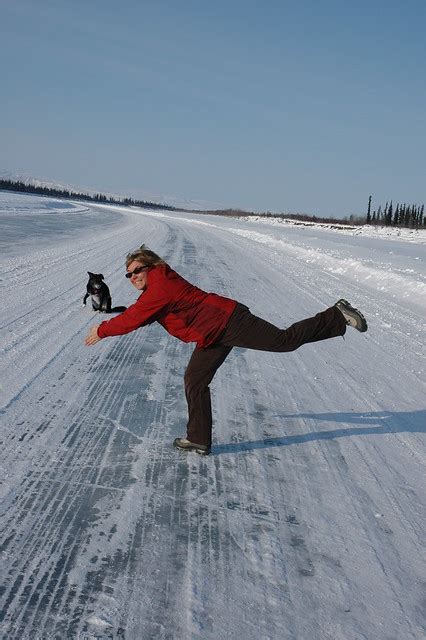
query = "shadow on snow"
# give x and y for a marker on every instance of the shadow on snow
(376, 423)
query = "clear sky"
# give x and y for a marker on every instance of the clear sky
(295, 106)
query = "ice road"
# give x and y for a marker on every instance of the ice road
(308, 519)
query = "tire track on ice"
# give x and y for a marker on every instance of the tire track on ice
(85, 455)
(53, 522)
(31, 343)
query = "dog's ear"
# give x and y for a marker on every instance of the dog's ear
(101, 276)
(90, 274)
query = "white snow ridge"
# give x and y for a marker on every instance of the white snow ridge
(308, 519)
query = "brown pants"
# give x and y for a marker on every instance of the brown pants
(248, 331)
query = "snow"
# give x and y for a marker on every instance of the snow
(308, 519)
(417, 235)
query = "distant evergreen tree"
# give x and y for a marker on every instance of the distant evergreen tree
(395, 221)
(413, 216)
(388, 217)
(407, 214)
(369, 211)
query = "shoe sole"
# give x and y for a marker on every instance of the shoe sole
(361, 322)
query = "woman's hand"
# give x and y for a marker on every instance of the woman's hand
(93, 337)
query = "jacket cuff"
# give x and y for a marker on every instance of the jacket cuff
(101, 330)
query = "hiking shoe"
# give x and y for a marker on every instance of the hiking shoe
(353, 317)
(187, 445)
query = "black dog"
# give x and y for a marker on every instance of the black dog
(99, 292)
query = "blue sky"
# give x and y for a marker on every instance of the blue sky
(284, 106)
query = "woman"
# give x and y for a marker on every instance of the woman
(216, 324)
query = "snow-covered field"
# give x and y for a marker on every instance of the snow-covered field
(308, 519)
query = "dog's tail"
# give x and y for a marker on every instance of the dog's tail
(117, 310)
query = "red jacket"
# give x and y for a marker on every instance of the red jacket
(185, 311)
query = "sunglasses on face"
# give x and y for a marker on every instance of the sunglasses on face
(135, 272)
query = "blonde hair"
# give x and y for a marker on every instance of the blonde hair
(145, 256)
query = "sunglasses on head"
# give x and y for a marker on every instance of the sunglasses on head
(135, 272)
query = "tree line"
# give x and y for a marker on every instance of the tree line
(22, 187)
(399, 215)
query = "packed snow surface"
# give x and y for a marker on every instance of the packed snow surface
(308, 519)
